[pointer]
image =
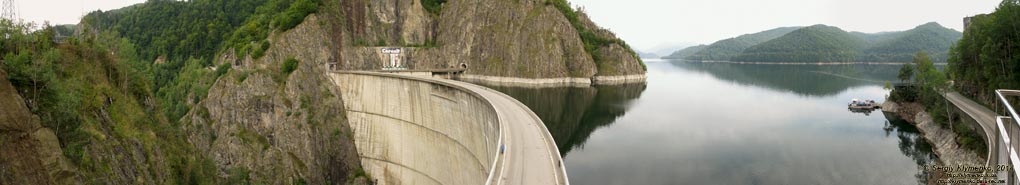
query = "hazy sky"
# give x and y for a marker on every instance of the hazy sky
(647, 24)
(65, 11)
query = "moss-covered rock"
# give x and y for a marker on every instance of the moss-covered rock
(279, 124)
(29, 153)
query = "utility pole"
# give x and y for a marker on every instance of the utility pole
(9, 10)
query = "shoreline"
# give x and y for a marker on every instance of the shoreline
(797, 63)
(620, 79)
(552, 82)
(943, 140)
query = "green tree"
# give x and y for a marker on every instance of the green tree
(906, 72)
(434, 7)
(927, 74)
(95, 93)
(933, 84)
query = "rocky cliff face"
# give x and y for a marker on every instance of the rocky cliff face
(270, 126)
(263, 124)
(613, 59)
(943, 140)
(31, 153)
(101, 132)
(527, 38)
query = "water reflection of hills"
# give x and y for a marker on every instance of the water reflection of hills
(573, 113)
(808, 80)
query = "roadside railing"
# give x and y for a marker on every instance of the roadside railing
(1006, 140)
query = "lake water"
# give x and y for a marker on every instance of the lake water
(719, 123)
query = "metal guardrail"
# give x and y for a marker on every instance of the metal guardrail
(1006, 140)
(1006, 152)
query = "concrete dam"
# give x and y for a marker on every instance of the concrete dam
(422, 130)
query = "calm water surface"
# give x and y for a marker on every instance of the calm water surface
(716, 123)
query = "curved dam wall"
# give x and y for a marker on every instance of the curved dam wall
(418, 131)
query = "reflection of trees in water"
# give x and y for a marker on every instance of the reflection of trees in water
(808, 80)
(912, 144)
(573, 113)
(866, 112)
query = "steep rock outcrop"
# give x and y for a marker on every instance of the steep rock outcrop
(513, 39)
(270, 126)
(613, 59)
(943, 140)
(357, 28)
(522, 39)
(29, 152)
(275, 127)
(616, 61)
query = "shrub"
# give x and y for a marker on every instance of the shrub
(222, 69)
(296, 14)
(305, 102)
(289, 66)
(239, 175)
(905, 93)
(260, 50)
(434, 7)
(241, 77)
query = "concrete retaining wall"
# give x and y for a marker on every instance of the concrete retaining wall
(617, 80)
(551, 82)
(419, 131)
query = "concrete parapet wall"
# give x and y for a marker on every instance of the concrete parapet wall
(552, 82)
(525, 82)
(418, 131)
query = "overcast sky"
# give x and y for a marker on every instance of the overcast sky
(65, 11)
(647, 24)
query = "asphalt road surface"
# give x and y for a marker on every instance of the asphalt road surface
(530, 155)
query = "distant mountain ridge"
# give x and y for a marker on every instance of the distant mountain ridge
(810, 44)
(931, 38)
(683, 53)
(822, 43)
(668, 48)
(728, 48)
(647, 55)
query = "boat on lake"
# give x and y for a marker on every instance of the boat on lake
(856, 104)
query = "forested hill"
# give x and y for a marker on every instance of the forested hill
(728, 48)
(818, 43)
(176, 29)
(175, 33)
(111, 99)
(684, 53)
(821, 43)
(931, 38)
